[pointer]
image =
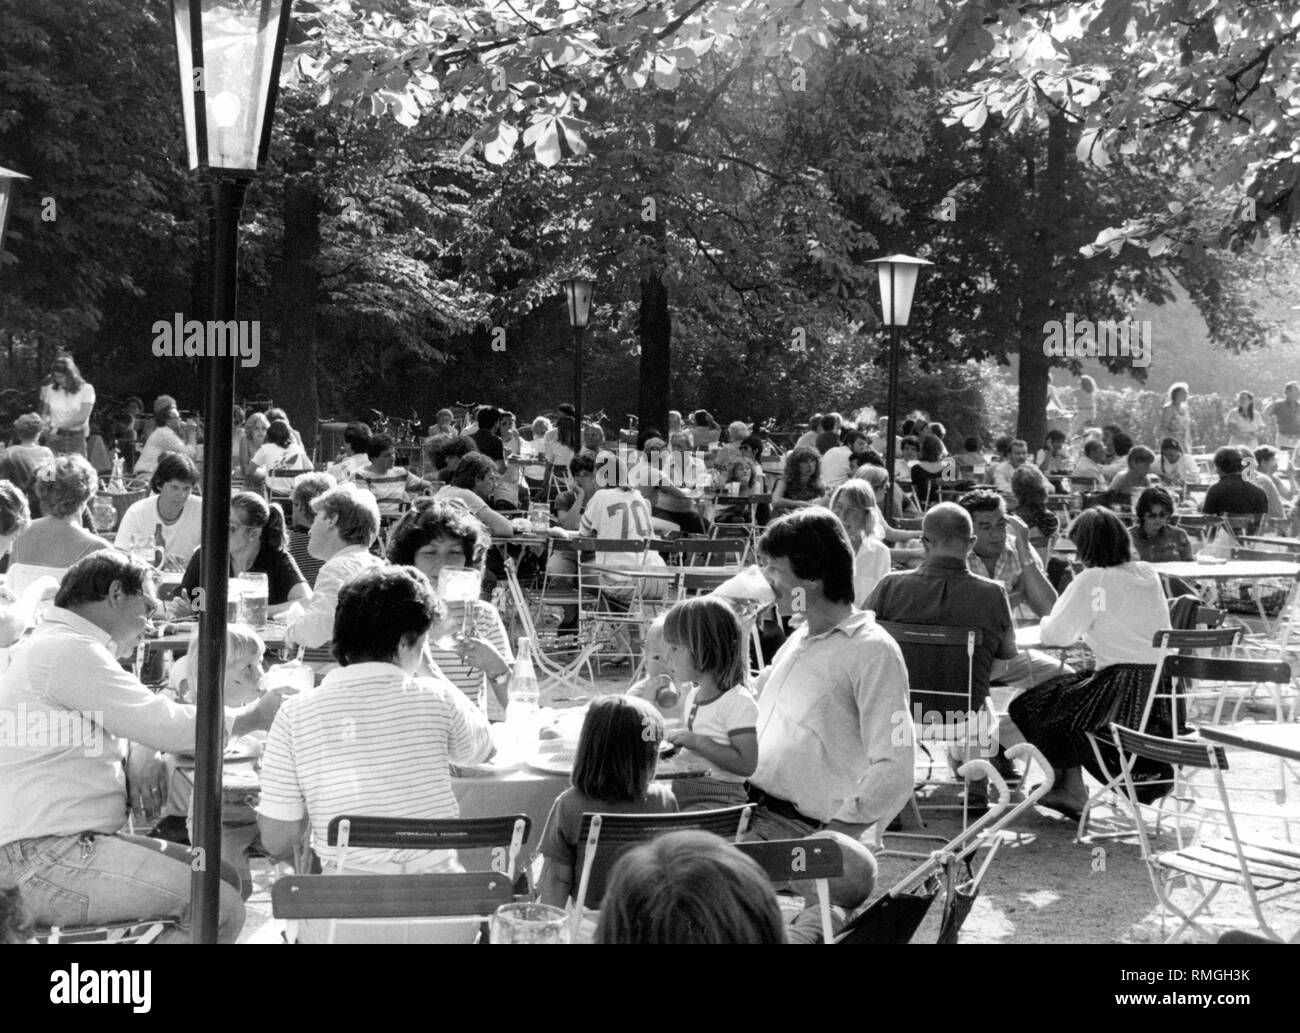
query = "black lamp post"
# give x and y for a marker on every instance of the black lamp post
(229, 54)
(898, 275)
(577, 291)
(7, 177)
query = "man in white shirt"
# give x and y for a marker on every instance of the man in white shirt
(835, 738)
(346, 524)
(809, 439)
(1016, 458)
(67, 710)
(837, 463)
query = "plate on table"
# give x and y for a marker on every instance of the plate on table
(556, 762)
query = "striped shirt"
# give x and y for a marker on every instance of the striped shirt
(371, 740)
(388, 487)
(470, 680)
(308, 564)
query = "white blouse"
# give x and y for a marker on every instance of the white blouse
(1116, 611)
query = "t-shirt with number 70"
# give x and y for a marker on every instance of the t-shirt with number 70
(621, 513)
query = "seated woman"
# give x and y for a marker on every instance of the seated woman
(172, 510)
(800, 484)
(746, 471)
(878, 479)
(855, 504)
(688, 474)
(927, 472)
(52, 544)
(1115, 605)
(1154, 538)
(14, 520)
(1054, 457)
(257, 546)
(403, 730)
(434, 535)
(388, 482)
(165, 437)
(255, 428)
(1030, 488)
(280, 452)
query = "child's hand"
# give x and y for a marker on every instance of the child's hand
(686, 740)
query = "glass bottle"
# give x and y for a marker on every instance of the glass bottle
(524, 691)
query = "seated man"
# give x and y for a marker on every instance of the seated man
(1231, 494)
(65, 796)
(1135, 478)
(1093, 463)
(1004, 553)
(1017, 456)
(835, 740)
(346, 525)
(943, 592)
(1175, 468)
(387, 482)
(395, 733)
(357, 438)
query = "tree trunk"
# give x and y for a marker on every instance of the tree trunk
(1044, 254)
(655, 329)
(655, 323)
(299, 289)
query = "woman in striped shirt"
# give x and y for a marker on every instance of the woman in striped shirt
(433, 535)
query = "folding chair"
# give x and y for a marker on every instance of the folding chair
(1170, 670)
(622, 598)
(445, 899)
(1264, 868)
(504, 835)
(801, 860)
(750, 530)
(607, 837)
(951, 653)
(558, 659)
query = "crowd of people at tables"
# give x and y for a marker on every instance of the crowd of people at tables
(813, 742)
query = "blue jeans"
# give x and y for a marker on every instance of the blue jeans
(97, 879)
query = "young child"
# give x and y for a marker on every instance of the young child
(706, 646)
(658, 687)
(613, 773)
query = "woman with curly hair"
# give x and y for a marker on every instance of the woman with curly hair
(64, 485)
(433, 535)
(801, 480)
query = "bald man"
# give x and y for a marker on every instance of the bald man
(943, 592)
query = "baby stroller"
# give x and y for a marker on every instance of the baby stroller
(895, 916)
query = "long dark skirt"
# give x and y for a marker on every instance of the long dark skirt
(1058, 715)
